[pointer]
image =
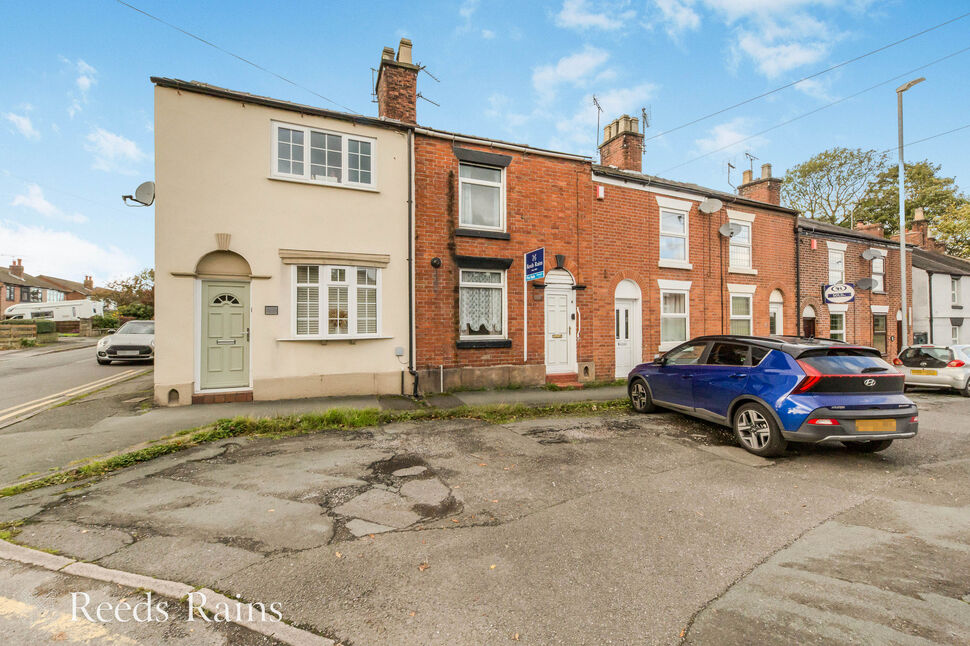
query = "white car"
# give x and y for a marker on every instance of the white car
(936, 366)
(134, 341)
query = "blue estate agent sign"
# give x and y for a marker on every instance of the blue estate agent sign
(535, 264)
(839, 293)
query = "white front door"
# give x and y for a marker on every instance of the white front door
(775, 318)
(560, 331)
(624, 332)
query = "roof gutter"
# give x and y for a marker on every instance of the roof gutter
(497, 144)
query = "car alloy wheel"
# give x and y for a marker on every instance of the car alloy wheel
(753, 429)
(640, 397)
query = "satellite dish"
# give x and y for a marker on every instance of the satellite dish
(710, 205)
(729, 230)
(865, 283)
(144, 195)
(870, 254)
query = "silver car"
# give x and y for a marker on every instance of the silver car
(936, 366)
(134, 341)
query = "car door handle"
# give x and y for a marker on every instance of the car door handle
(740, 375)
(687, 376)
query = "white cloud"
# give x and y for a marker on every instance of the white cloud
(34, 200)
(86, 77)
(575, 69)
(731, 136)
(488, 34)
(678, 16)
(113, 153)
(23, 124)
(577, 14)
(61, 253)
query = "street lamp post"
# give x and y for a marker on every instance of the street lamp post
(902, 213)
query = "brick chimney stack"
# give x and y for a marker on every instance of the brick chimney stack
(872, 228)
(920, 236)
(623, 144)
(765, 189)
(88, 282)
(17, 268)
(397, 84)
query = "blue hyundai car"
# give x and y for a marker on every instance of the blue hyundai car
(780, 389)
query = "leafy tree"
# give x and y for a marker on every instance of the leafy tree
(139, 288)
(139, 311)
(828, 186)
(953, 230)
(924, 188)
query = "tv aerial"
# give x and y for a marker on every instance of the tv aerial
(144, 195)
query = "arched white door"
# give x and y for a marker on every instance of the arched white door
(776, 313)
(561, 322)
(627, 320)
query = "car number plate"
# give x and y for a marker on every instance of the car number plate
(127, 353)
(875, 425)
(917, 371)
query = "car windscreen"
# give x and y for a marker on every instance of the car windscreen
(926, 357)
(846, 361)
(137, 327)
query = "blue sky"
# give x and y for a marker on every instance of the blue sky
(76, 102)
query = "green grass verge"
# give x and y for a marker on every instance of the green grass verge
(333, 419)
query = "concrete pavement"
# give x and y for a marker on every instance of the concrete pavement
(600, 529)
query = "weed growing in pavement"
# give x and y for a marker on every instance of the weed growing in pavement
(290, 425)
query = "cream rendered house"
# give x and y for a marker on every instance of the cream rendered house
(282, 237)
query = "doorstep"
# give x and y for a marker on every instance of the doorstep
(236, 396)
(564, 380)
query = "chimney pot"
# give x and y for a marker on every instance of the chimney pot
(404, 51)
(918, 214)
(765, 171)
(746, 177)
(622, 145)
(388, 54)
(764, 189)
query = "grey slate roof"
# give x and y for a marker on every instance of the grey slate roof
(64, 284)
(939, 263)
(825, 228)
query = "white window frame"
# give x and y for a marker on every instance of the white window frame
(954, 334)
(881, 274)
(344, 157)
(840, 331)
(840, 254)
(734, 317)
(745, 220)
(955, 290)
(676, 207)
(505, 303)
(480, 182)
(324, 285)
(666, 345)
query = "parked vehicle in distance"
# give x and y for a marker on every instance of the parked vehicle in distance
(780, 389)
(56, 311)
(134, 341)
(936, 366)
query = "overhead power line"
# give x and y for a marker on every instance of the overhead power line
(919, 141)
(234, 55)
(818, 109)
(806, 78)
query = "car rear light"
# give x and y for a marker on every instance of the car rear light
(897, 362)
(914, 419)
(812, 377)
(956, 363)
(824, 421)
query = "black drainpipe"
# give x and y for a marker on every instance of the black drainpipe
(411, 335)
(798, 283)
(929, 276)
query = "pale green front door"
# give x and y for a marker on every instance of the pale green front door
(225, 335)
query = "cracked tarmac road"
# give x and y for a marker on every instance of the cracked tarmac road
(586, 530)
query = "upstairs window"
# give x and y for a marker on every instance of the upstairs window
(836, 267)
(739, 255)
(323, 157)
(673, 235)
(954, 290)
(878, 274)
(481, 197)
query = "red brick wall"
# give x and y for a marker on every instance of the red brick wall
(626, 234)
(764, 190)
(397, 93)
(625, 151)
(858, 317)
(547, 205)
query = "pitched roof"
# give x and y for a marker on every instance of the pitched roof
(9, 278)
(653, 180)
(939, 263)
(69, 285)
(827, 228)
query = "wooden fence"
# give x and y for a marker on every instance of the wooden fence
(11, 335)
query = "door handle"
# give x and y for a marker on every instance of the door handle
(738, 376)
(247, 335)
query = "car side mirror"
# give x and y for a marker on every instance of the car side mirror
(659, 359)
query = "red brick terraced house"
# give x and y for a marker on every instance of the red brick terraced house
(632, 265)
(829, 254)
